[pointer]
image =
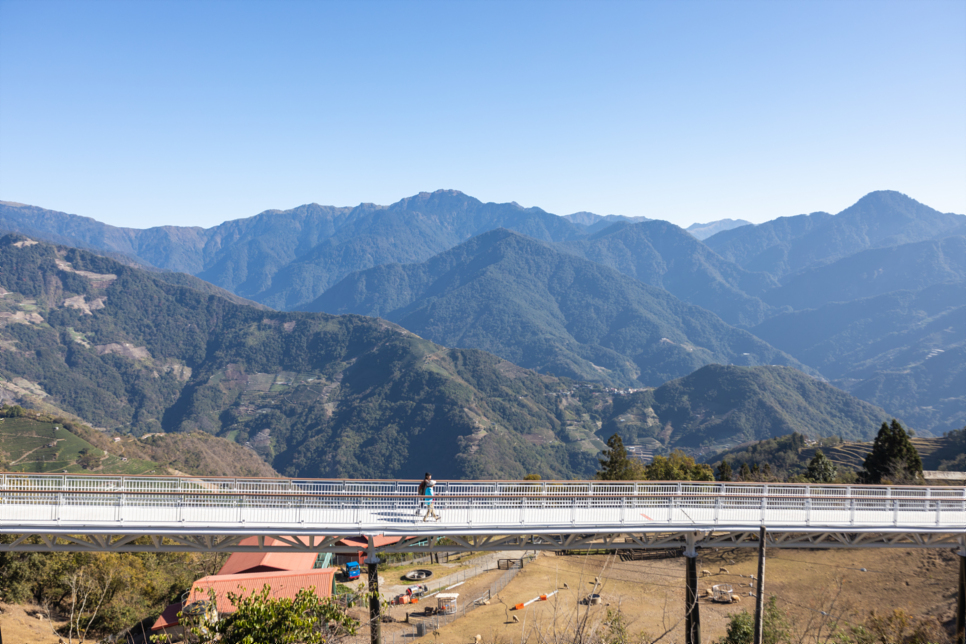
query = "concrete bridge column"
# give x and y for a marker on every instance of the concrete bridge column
(375, 613)
(961, 601)
(692, 610)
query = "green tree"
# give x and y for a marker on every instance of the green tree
(88, 459)
(12, 411)
(744, 474)
(741, 626)
(893, 459)
(724, 471)
(304, 619)
(677, 467)
(616, 465)
(821, 469)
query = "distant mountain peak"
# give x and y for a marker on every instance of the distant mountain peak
(438, 199)
(703, 231)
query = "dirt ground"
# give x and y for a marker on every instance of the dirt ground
(401, 631)
(650, 593)
(20, 624)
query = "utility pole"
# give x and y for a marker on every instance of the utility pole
(375, 617)
(760, 593)
(692, 612)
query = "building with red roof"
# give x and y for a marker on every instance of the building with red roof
(240, 562)
(284, 572)
(283, 584)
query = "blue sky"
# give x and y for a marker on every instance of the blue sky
(191, 113)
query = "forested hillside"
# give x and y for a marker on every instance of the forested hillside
(316, 395)
(547, 310)
(720, 406)
(660, 254)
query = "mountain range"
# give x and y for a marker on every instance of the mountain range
(87, 337)
(544, 309)
(787, 245)
(772, 279)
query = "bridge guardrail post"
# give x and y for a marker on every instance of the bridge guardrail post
(848, 491)
(764, 501)
(675, 502)
(808, 505)
(895, 507)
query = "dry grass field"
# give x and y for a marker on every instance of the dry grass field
(650, 594)
(21, 624)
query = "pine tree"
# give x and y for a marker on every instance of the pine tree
(893, 457)
(615, 464)
(724, 471)
(745, 472)
(821, 469)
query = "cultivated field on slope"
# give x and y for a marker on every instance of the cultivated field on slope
(28, 445)
(852, 455)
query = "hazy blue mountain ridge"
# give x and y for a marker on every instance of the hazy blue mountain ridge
(908, 267)
(902, 350)
(661, 254)
(790, 244)
(411, 230)
(541, 308)
(705, 230)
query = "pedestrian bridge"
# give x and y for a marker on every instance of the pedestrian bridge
(131, 513)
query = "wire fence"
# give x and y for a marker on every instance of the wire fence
(427, 625)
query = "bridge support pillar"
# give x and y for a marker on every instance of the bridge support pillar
(692, 611)
(760, 590)
(375, 612)
(961, 602)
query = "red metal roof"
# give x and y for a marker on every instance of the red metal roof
(169, 617)
(240, 562)
(363, 542)
(284, 585)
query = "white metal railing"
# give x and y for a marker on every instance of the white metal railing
(39, 500)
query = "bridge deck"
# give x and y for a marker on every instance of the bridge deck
(226, 508)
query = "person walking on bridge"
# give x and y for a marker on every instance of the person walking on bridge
(429, 506)
(421, 492)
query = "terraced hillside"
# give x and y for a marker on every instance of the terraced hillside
(852, 455)
(28, 445)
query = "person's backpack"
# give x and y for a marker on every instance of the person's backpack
(422, 487)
